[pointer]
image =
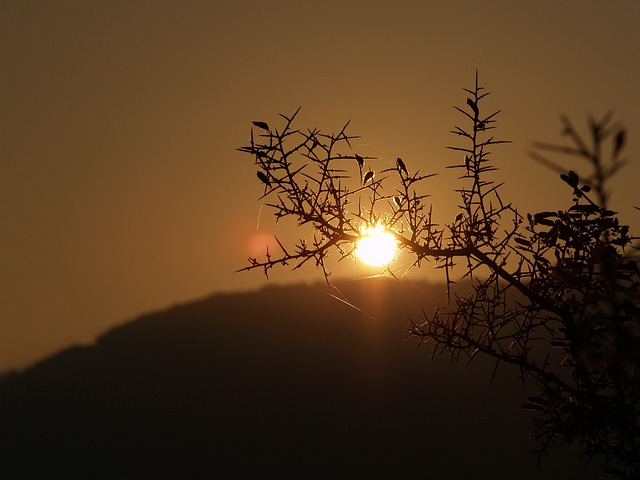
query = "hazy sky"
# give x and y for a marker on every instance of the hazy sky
(120, 187)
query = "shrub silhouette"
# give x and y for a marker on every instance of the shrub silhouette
(555, 293)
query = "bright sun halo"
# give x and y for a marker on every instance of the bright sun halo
(377, 246)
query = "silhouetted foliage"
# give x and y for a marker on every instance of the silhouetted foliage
(555, 293)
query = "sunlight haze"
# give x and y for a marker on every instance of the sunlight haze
(121, 188)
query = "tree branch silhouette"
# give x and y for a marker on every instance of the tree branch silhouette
(554, 293)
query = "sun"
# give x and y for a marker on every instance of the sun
(377, 246)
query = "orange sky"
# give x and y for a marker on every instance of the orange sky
(120, 187)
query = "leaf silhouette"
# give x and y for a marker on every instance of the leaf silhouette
(263, 178)
(473, 106)
(368, 176)
(619, 142)
(571, 179)
(522, 241)
(402, 166)
(262, 125)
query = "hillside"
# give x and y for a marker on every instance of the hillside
(285, 382)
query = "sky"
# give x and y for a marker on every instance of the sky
(121, 189)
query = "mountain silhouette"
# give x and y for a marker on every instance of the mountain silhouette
(284, 382)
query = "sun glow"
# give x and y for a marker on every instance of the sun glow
(377, 246)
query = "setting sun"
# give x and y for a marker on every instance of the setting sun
(377, 246)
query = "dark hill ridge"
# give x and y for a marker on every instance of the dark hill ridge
(285, 382)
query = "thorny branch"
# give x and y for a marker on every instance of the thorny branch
(554, 293)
